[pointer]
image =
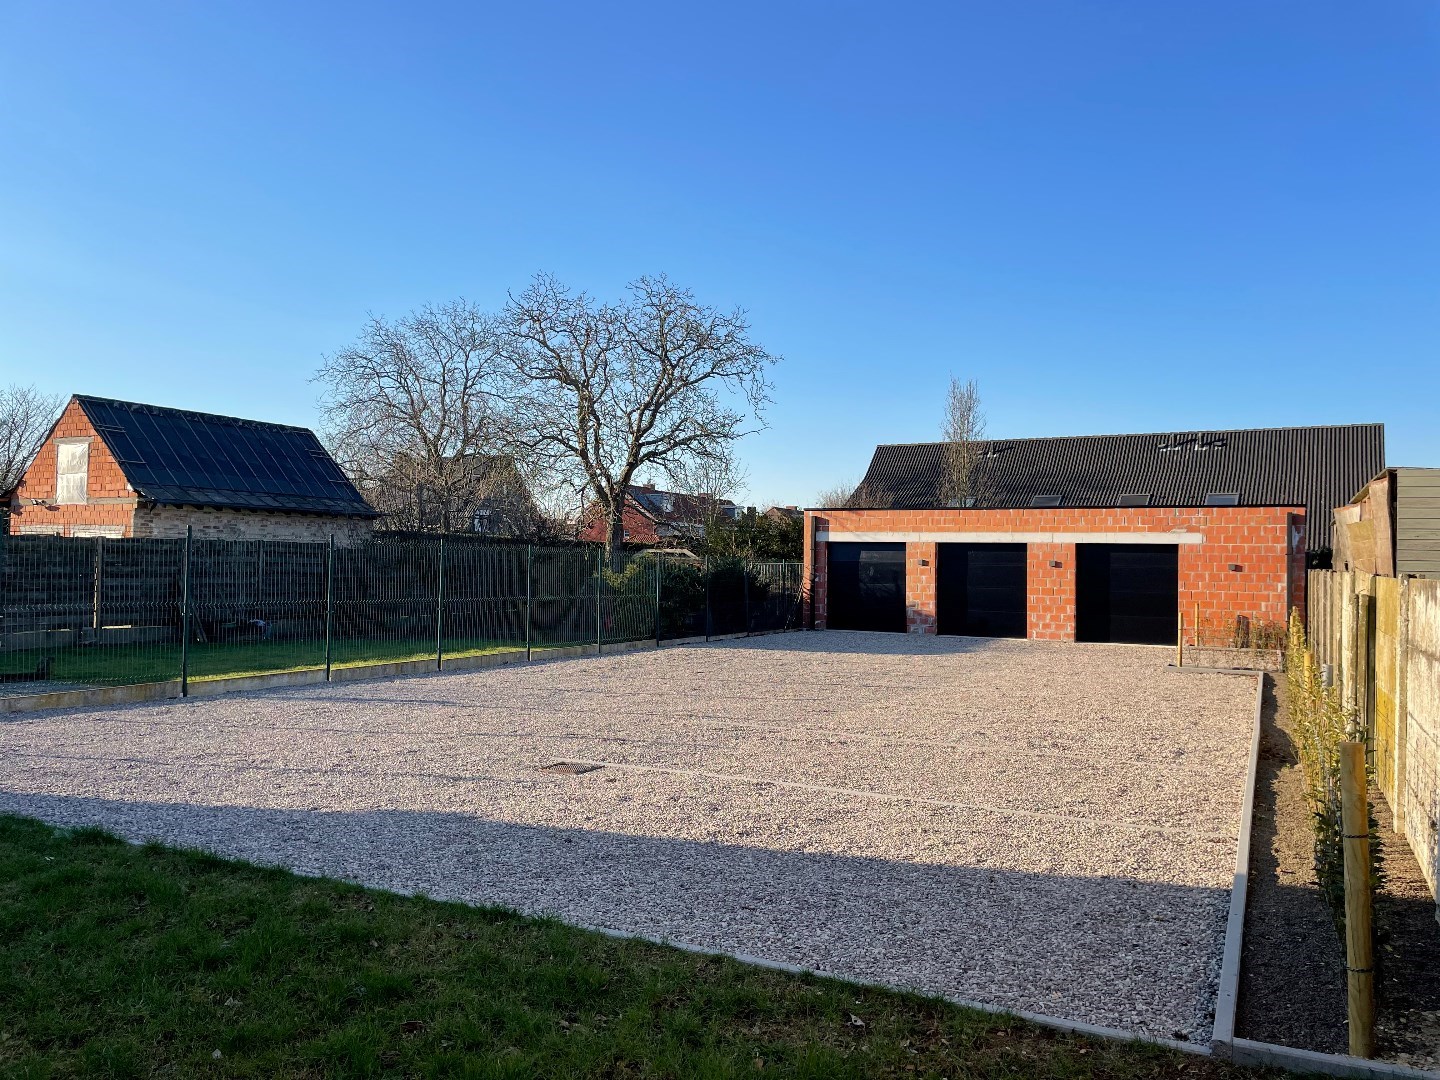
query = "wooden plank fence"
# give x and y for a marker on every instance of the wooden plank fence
(1381, 637)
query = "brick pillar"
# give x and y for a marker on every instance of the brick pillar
(920, 588)
(1052, 591)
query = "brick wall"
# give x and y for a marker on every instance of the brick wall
(109, 500)
(170, 522)
(1263, 542)
(1051, 614)
(920, 607)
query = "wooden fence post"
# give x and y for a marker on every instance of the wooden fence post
(1180, 640)
(1359, 955)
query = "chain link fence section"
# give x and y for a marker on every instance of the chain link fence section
(78, 612)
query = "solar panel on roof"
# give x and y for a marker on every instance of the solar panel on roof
(174, 457)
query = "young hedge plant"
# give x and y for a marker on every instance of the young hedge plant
(1321, 722)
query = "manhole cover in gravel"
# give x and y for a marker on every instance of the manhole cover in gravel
(569, 768)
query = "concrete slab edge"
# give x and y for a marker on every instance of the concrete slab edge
(1249, 1052)
(1227, 998)
(1057, 1023)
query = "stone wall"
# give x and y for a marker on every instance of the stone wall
(170, 522)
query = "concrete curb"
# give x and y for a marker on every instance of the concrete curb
(1227, 999)
(134, 693)
(1070, 1027)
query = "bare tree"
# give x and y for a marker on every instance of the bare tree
(837, 496)
(26, 416)
(714, 482)
(966, 480)
(859, 496)
(656, 382)
(416, 412)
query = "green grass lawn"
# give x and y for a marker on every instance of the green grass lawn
(127, 961)
(106, 665)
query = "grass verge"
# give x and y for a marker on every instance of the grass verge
(125, 961)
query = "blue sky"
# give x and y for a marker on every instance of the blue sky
(1114, 216)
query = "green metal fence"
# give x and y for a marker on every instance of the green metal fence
(78, 612)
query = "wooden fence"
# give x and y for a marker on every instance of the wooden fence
(1381, 638)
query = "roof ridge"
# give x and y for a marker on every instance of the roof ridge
(1154, 434)
(191, 414)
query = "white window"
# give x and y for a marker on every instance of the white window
(72, 471)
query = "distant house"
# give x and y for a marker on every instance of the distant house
(655, 518)
(790, 514)
(123, 469)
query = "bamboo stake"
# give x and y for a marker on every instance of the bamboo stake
(1196, 624)
(1180, 641)
(1359, 957)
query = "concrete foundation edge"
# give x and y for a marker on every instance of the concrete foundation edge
(134, 693)
(1227, 998)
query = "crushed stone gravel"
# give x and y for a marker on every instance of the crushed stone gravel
(1039, 826)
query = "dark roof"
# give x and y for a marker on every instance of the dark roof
(1316, 467)
(178, 458)
(682, 507)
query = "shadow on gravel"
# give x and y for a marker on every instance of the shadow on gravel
(1107, 950)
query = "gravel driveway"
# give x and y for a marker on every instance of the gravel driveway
(1046, 827)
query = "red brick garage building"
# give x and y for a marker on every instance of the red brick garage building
(1091, 538)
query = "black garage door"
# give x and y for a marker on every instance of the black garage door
(980, 590)
(866, 587)
(1127, 592)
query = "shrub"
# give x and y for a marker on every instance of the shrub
(1321, 722)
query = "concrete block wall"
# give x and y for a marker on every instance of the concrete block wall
(1421, 770)
(1258, 542)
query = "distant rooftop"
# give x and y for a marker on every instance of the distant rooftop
(1319, 468)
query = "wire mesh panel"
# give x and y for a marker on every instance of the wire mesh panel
(484, 608)
(729, 596)
(386, 601)
(83, 611)
(682, 597)
(77, 611)
(628, 600)
(774, 596)
(563, 588)
(256, 606)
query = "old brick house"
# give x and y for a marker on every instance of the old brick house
(656, 518)
(121, 469)
(1091, 538)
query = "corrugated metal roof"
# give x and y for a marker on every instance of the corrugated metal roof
(1315, 467)
(179, 458)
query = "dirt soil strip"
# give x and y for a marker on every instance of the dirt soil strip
(1040, 826)
(1293, 974)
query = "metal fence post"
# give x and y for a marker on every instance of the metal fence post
(529, 595)
(599, 584)
(329, 605)
(440, 607)
(707, 597)
(99, 584)
(185, 617)
(659, 575)
(745, 586)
